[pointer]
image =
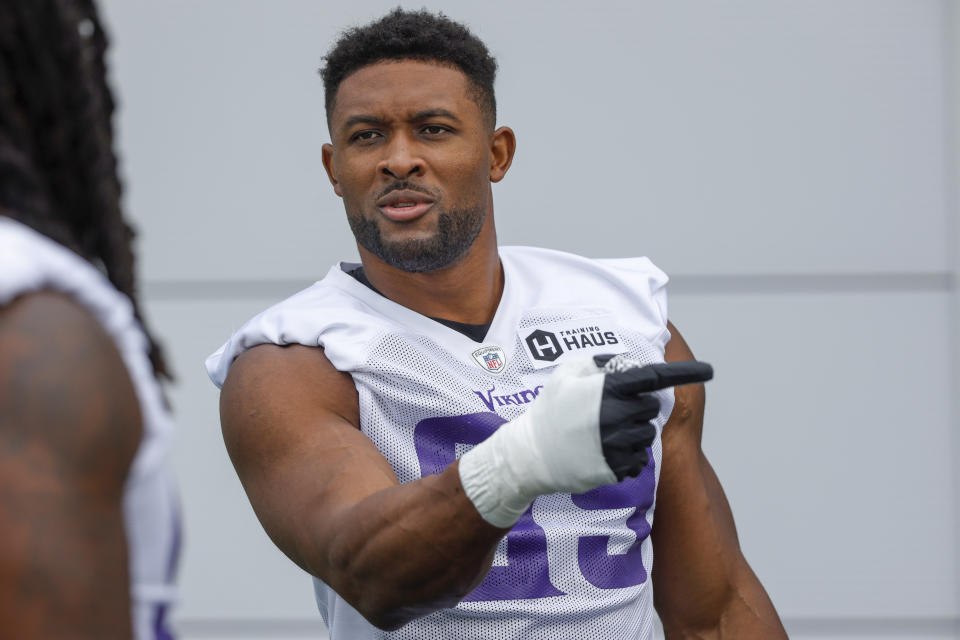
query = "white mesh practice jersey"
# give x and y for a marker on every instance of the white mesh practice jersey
(574, 566)
(31, 262)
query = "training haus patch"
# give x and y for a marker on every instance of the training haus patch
(549, 344)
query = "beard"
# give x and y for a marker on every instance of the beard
(456, 231)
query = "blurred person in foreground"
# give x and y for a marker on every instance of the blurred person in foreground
(460, 440)
(89, 531)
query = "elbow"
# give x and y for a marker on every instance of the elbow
(392, 592)
(389, 607)
(384, 611)
(386, 619)
(696, 617)
(378, 596)
(392, 617)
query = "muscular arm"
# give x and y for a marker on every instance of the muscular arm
(69, 428)
(702, 584)
(331, 501)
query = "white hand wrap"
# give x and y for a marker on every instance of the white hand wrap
(553, 447)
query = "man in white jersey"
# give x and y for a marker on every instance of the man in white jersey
(88, 514)
(460, 440)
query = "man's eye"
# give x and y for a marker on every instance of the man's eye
(364, 136)
(434, 130)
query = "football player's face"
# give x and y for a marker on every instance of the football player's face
(411, 158)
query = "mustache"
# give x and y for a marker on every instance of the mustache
(406, 185)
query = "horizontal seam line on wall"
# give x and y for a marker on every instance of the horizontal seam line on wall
(940, 282)
(931, 626)
(254, 627)
(934, 282)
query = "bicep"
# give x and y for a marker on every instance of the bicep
(685, 426)
(291, 426)
(70, 426)
(684, 432)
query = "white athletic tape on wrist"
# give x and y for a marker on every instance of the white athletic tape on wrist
(553, 447)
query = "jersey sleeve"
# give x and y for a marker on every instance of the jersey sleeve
(305, 318)
(283, 324)
(647, 287)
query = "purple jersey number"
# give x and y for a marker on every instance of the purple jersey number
(527, 572)
(622, 570)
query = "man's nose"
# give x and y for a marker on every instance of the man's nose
(402, 159)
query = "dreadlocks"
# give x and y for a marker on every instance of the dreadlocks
(58, 171)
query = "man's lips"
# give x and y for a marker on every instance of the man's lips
(401, 206)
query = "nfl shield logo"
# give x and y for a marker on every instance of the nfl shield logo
(491, 359)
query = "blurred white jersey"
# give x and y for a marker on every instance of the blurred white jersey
(574, 566)
(32, 262)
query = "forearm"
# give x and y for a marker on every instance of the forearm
(695, 557)
(405, 551)
(745, 613)
(703, 586)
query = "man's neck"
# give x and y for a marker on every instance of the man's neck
(467, 291)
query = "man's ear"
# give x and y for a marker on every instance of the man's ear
(327, 155)
(502, 147)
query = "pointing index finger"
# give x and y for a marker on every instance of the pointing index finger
(654, 377)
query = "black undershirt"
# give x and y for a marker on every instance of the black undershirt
(476, 332)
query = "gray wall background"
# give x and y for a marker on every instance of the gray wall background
(792, 164)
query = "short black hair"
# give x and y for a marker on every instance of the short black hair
(413, 35)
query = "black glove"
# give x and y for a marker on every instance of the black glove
(629, 406)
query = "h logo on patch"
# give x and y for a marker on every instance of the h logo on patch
(491, 359)
(544, 346)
